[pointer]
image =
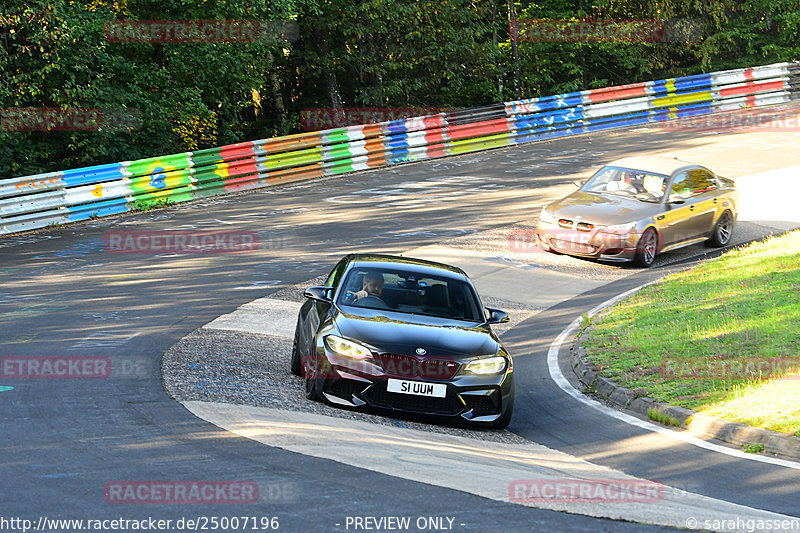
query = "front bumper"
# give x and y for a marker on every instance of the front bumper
(595, 244)
(474, 398)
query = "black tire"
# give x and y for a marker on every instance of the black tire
(314, 383)
(646, 249)
(296, 365)
(722, 231)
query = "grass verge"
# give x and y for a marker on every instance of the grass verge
(722, 338)
(662, 418)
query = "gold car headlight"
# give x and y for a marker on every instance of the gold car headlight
(487, 365)
(620, 229)
(346, 347)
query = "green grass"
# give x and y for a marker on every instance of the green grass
(662, 418)
(753, 448)
(739, 308)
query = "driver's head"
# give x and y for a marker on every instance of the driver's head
(373, 283)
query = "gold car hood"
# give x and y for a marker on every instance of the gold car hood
(602, 208)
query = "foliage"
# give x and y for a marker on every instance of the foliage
(352, 53)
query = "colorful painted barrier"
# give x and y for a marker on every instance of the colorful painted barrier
(32, 202)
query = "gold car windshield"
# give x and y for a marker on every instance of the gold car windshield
(644, 186)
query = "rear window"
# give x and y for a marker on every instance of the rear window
(410, 292)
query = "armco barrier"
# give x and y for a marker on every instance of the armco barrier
(54, 198)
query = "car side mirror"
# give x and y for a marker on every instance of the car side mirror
(496, 316)
(675, 200)
(579, 183)
(322, 294)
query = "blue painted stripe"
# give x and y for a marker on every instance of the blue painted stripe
(548, 119)
(398, 156)
(97, 209)
(95, 174)
(396, 142)
(395, 126)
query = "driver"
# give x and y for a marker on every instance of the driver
(370, 294)
(630, 182)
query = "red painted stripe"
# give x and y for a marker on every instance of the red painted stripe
(437, 150)
(748, 74)
(478, 129)
(241, 183)
(752, 87)
(615, 93)
(433, 122)
(435, 136)
(236, 151)
(239, 168)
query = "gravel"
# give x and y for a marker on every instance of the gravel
(249, 369)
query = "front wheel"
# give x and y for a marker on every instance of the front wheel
(505, 419)
(646, 249)
(315, 382)
(722, 231)
(296, 365)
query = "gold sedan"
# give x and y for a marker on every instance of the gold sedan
(634, 208)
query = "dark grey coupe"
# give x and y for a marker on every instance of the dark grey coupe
(397, 334)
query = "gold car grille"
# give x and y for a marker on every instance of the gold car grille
(566, 223)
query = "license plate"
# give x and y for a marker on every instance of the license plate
(575, 247)
(417, 388)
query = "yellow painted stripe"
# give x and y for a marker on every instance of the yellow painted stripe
(481, 143)
(681, 99)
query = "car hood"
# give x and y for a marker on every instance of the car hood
(602, 209)
(402, 334)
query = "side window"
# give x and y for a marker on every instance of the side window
(336, 274)
(700, 181)
(680, 186)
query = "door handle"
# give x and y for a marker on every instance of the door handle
(691, 208)
(715, 200)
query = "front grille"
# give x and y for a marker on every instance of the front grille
(570, 246)
(378, 396)
(345, 388)
(482, 405)
(568, 223)
(409, 367)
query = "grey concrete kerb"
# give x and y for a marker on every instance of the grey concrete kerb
(696, 423)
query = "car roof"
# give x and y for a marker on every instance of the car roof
(657, 164)
(408, 263)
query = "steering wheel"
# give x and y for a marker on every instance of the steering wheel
(349, 297)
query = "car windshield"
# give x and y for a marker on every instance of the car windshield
(410, 292)
(644, 186)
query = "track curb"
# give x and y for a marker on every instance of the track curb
(696, 423)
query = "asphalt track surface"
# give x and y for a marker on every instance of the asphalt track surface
(61, 294)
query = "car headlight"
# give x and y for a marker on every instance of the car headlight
(620, 229)
(346, 347)
(487, 365)
(545, 216)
